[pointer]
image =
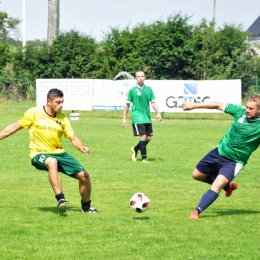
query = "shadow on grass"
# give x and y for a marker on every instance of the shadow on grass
(141, 218)
(69, 209)
(150, 159)
(230, 212)
(53, 210)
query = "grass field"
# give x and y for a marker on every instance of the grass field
(32, 228)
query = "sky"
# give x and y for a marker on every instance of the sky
(96, 17)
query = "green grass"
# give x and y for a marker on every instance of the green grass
(32, 228)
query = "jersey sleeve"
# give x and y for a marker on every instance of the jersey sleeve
(27, 119)
(152, 96)
(68, 131)
(129, 96)
(233, 109)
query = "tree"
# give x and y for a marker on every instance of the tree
(8, 26)
(69, 56)
(205, 49)
(160, 49)
(53, 20)
(5, 54)
(221, 53)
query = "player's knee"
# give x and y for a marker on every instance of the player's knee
(148, 138)
(51, 163)
(196, 174)
(82, 176)
(220, 182)
(86, 175)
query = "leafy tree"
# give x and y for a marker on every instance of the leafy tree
(5, 54)
(230, 48)
(173, 49)
(8, 26)
(37, 43)
(118, 52)
(168, 48)
(69, 56)
(203, 37)
(17, 77)
(161, 49)
(218, 53)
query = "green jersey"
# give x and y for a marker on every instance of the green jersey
(141, 98)
(242, 138)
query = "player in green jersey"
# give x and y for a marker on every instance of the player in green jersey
(140, 96)
(220, 166)
(47, 126)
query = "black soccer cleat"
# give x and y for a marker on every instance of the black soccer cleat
(62, 205)
(90, 210)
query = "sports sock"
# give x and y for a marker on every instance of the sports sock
(226, 187)
(206, 200)
(60, 196)
(85, 205)
(142, 147)
(136, 148)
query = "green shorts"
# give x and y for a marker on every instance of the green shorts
(66, 163)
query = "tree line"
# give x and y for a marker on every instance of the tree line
(171, 49)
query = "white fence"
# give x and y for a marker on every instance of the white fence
(88, 94)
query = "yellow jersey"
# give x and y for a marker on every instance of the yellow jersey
(45, 132)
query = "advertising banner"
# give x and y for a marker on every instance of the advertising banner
(78, 93)
(99, 94)
(171, 93)
(111, 94)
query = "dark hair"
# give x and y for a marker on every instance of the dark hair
(54, 93)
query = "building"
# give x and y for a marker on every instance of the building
(254, 38)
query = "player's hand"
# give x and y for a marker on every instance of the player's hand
(159, 118)
(85, 150)
(124, 123)
(187, 105)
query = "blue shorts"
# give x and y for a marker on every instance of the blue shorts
(214, 164)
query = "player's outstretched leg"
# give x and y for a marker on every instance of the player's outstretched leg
(206, 200)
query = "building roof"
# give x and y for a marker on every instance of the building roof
(254, 28)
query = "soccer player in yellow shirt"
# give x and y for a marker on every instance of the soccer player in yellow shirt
(47, 126)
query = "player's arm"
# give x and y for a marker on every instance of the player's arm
(10, 129)
(209, 105)
(78, 144)
(156, 109)
(126, 109)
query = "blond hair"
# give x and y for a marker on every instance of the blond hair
(139, 71)
(255, 98)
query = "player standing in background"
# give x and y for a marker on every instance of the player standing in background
(140, 96)
(47, 126)
(220, 166)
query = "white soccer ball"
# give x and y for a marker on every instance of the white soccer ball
(139, 202)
